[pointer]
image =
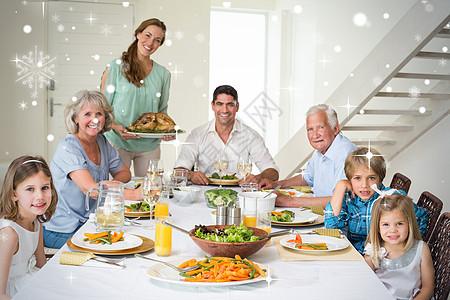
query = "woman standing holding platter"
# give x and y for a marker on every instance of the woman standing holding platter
(136, 84)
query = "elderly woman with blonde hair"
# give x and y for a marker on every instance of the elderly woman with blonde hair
(81, 160)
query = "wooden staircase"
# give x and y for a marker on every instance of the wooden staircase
(412, 96)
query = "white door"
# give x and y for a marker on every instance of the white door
(83, 37)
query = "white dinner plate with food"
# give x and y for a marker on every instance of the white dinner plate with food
(133, 184)
(151, 135)
(130, 241)
(333, 244)
(163, 273)
(301, 216)
(130, 207)
(224, 181)
(287, 192)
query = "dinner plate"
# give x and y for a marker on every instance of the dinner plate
(224, 181)
(161, 272)
(318, 221)
(130, 241)
(287, 192)
(155, 135)
(132, 184)
(135, 214)
(333, 244)
(301, 216)
(147, 244)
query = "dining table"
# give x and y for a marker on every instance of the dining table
(310, 279)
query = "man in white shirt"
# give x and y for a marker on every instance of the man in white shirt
(326, 166)
(227, 136)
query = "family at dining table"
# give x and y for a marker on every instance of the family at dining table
(42, 205)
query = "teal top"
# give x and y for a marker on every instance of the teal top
(129, 102)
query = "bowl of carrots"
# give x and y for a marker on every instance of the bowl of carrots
(224, 249)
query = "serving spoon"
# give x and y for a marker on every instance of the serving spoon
(181, 270)
(277, 233)
(176, 227)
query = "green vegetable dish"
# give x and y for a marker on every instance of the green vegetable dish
(218, 197)
(283, 216)
(224, 177)
(139, 207)
(233, 234)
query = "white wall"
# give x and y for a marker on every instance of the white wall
(23, 130)
(427, 164)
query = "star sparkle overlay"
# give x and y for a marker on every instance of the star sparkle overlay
(442, 62)
(106, 29)
(348, 106)
(324, 61)
(176, 142)
(369, 155)
(414, 92)
(35, 70)
(23, 105)
(71, 277)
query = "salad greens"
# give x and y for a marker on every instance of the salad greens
(215, 175)
(233, 234)
(283, 216)
(139, 207)
(217, 197)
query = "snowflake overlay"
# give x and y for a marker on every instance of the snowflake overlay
(35, 70)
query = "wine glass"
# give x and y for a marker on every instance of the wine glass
(220, 165)
(151, 189)
(151, 168)
(244, 166)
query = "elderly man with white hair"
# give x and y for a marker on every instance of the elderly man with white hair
(326, 166)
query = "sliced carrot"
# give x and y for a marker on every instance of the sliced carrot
(307, 247)
(117, 237)
(93, 236)
(192, 262)
(257, 268)
(223, 270)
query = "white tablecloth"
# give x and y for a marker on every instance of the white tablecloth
(291, 280)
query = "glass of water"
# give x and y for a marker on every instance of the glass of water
(180, 177)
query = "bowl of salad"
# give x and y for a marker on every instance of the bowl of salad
(218, 197)
(227, 241)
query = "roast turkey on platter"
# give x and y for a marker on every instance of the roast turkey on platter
(153, 123)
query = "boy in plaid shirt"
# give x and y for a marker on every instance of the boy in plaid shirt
(353, 199)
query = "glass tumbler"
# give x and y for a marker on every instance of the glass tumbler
(163, 237)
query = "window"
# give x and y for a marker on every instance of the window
(238, 58)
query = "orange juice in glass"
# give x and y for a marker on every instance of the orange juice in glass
(264, 221)
(249, 211)
(163, 237)
(162, 206)
(161, 209)
(249, 220)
